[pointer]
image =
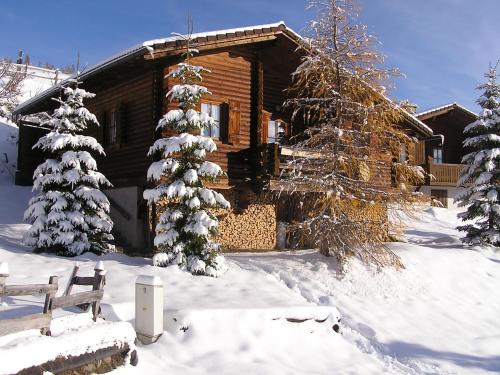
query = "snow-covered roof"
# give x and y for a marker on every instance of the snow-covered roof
(412, 118)
(223, 32)
(144, 47)
(86, 73)
(444, 109)
(148, 46)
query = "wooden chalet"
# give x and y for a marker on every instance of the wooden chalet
(249, 70)
(444, 151)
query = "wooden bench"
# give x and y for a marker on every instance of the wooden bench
(86, 300)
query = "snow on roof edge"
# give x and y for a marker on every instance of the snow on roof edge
(410, 115)
(138, 47)
(173, 38)
(94, 67)
(446, 106)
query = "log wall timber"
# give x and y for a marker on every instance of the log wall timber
(228, 79)
(133, 93)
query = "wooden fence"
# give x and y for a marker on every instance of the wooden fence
(42, 320)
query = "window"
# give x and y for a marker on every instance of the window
(110, 129)
(275, 131)
(403, 155)
(213, 110)
(437, 155)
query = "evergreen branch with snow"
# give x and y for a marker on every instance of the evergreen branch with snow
(479, 183)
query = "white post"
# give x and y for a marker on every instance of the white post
(281, 236)
(148, 308)
(4, 273)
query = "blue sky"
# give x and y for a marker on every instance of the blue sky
(443, 46)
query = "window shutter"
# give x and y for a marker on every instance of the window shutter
(102, 128)
(121, 131)
(224, 122)
(234, 122)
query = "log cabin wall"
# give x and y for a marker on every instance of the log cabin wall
(278, 65)
(233, 77)
(129, 98)
(229, 80)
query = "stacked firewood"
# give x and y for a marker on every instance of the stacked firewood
(254, 228)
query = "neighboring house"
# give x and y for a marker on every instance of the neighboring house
(249, 70)
(444, 151)
(35, 82)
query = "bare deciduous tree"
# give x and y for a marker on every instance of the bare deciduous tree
(11, 77)
(352, 144)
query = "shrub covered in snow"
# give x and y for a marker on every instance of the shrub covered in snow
(480, 181)
(185, 229)
(70, 213)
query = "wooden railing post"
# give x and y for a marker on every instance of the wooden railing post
(276, 159)
(4, 273)
(71, 279)
(99, 280)
(47, 307)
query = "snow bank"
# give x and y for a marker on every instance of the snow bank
(437, 316)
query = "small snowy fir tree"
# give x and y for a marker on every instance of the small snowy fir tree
(186, 228)
(69, 215)
(480, 181)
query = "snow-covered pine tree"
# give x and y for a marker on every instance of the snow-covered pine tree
(185, 230)
(69, 215)
(480, 180)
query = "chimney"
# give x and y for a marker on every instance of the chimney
(20, 57)
(409, 106)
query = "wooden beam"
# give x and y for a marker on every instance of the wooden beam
(77, 299)
(203, 46)
(66, 364)
(28, 290)
(34, 321)
(71, 280)
(81, 280)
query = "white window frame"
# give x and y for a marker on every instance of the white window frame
(111, 136)
(277, 125)
(437, 155)
(212, 131)
(403, 154)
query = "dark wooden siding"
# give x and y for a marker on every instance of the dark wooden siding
(451, 125)
(126, 162)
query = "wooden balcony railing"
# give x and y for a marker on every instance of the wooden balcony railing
(445, 174)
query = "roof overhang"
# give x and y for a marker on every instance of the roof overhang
(442, 110)
(170, 46)
(175, 45)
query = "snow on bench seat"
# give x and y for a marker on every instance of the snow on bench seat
(72, 336)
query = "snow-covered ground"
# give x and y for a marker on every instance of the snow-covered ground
(438, 316)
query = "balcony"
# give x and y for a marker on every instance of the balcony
(276, 165)
(445, 174)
